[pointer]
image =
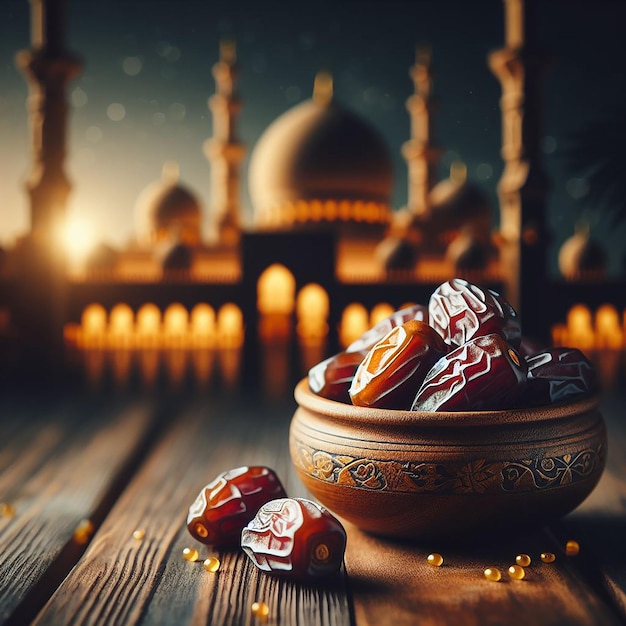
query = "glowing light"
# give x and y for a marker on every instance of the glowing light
(132, 66)
(77, 238)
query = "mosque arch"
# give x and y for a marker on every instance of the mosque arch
(312, 308)
(276, 290)
(202, 325)
(93, 323)
(230, 327)
(354, 322)
(175, 324)
(148, 325)
(121, 325)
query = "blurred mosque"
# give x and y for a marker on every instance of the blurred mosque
(326, 255)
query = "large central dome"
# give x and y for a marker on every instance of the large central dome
(320, 162)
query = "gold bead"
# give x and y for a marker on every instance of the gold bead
(493, 574)
(139, 534)
(83, 531)
(516, 572)
(572, 548)
(548, 557)
(190, 554)
(261, 610)
(435, 559)
(523, 560)
(6, 509)
(212, 564)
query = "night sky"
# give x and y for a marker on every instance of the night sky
(141, 98)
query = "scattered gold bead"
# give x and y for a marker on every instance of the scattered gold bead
(190, 554)
(6, 509)
(435, 559)
(572, 548)
(523, 560)
(261, 610)
(84, 530)
(516, 572)
(493, 574)
(139, 534)
(548, 557)
(211, 564)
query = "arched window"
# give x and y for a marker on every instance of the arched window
(202, 325)
(607, 328)
(148, 325)
(354, 322)
(94, 325)
(312, 307)
(380, 312)
(230, 330)
(580, 327)
(276, 291)
(121, 326)
(175, 325)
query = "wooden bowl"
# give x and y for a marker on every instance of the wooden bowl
(410, 474)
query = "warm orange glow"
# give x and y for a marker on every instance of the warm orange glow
(608, 333)
(276, 291)
(579, 327)
(202, 325)
(175, 325)
(312, 308)
(380, 312)
(148, 325)
(230, 330)
(94, 326)
(77, 238)
(121, 326)
(354, 322)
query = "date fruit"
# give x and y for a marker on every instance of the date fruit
(332, 377)
(395, 367)
(557, 375)
(484, 374)
(229, 502)
(295, 537)
(376, 333)
(460, 311)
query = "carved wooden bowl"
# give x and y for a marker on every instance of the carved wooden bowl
(450, 475)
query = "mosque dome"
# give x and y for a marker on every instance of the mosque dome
(456, 200)
(581, 256)
(320, 162)
(166, 209)
(177, 257)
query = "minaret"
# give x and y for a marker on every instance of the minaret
(523, 187)
(41, 278)
(48, 67)
(223, 150)
(419, 152)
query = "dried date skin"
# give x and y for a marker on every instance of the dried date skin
(377, 332)
(395, 367)
(296, 538)
(229, 502)
(460, 311)
(332, 377)
(557, 375)
(484, 374)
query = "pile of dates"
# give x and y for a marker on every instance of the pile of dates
(247, 507)
(464, 351)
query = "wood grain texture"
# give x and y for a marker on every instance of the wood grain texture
(392, 584)
(124, 581)
(58, 468)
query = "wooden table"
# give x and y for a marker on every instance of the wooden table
(130, 461)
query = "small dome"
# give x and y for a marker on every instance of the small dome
(457, 200)
(320, 161)
(581, 256)
(166, 209)
(396, 253)
(102, 257)
(177, 257)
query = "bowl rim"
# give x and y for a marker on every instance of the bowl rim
(375, 417)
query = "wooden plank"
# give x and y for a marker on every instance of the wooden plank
(122, 580)
(392, 583)
(599, 524)
(60, 466)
